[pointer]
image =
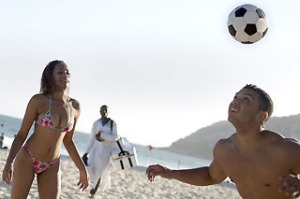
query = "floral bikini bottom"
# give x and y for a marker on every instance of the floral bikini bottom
(38, 165)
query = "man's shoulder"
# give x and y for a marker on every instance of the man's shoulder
(282, 145)
(288, 142)
(97, 121)
(228, 140)
(272, 133)
(225, 143)
(277, 138)
(224, 146)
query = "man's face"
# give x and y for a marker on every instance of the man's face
(103, 111)
(244, 107)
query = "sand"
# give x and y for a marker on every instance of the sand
(131, 184)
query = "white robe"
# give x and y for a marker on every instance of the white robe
(99, 153)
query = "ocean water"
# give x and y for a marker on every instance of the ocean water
(157, 156)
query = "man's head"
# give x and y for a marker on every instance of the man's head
(104, 111)
(250, 105)
(265, 101)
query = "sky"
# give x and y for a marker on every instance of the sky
(166, 68)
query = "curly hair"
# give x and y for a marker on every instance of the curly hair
(47, 76)
(265, 101)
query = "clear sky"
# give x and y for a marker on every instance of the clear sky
(166, 68)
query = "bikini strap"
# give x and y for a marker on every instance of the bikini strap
(50, 103)
(70, 106)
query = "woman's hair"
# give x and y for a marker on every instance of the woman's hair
(47, 76)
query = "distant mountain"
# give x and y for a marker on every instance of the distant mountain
(200, 143)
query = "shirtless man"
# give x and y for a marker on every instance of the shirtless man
(262, 164)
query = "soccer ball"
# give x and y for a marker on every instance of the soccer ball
(247, 24)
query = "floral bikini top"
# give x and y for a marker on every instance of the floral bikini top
(46, 120)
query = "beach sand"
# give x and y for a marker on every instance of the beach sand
(131, 184)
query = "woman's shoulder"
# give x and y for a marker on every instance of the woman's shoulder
(37, 102)
(74, 103)
(39, 97)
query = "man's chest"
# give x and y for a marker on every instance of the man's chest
(257, 169)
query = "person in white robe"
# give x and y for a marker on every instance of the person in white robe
(102, 141)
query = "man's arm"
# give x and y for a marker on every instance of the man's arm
(92, 137)
(291, 180)
(201, 176)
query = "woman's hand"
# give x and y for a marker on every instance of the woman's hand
(83, 180)
(7, 173)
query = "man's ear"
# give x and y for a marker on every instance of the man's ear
(264, 116)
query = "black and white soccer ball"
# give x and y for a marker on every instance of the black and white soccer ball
(247, 24)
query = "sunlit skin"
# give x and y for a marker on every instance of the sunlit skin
(45, 143)
(261, 163)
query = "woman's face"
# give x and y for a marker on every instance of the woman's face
(61, 76)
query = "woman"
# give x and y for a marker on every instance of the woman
(54, 115)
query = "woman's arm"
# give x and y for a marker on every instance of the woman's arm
(28, 119)
(73, 152)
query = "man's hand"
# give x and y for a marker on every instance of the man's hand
(157, 170)
(98, 137)
(291, 185)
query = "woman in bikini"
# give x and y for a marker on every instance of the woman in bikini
(54, 115)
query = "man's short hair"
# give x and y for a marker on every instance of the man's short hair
(265, 101)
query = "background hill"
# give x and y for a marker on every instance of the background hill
(200, 143)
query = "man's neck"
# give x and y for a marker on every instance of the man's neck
(104, 120)
(248, 140)
(248, 129)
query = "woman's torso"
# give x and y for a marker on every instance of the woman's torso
(54, 118)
